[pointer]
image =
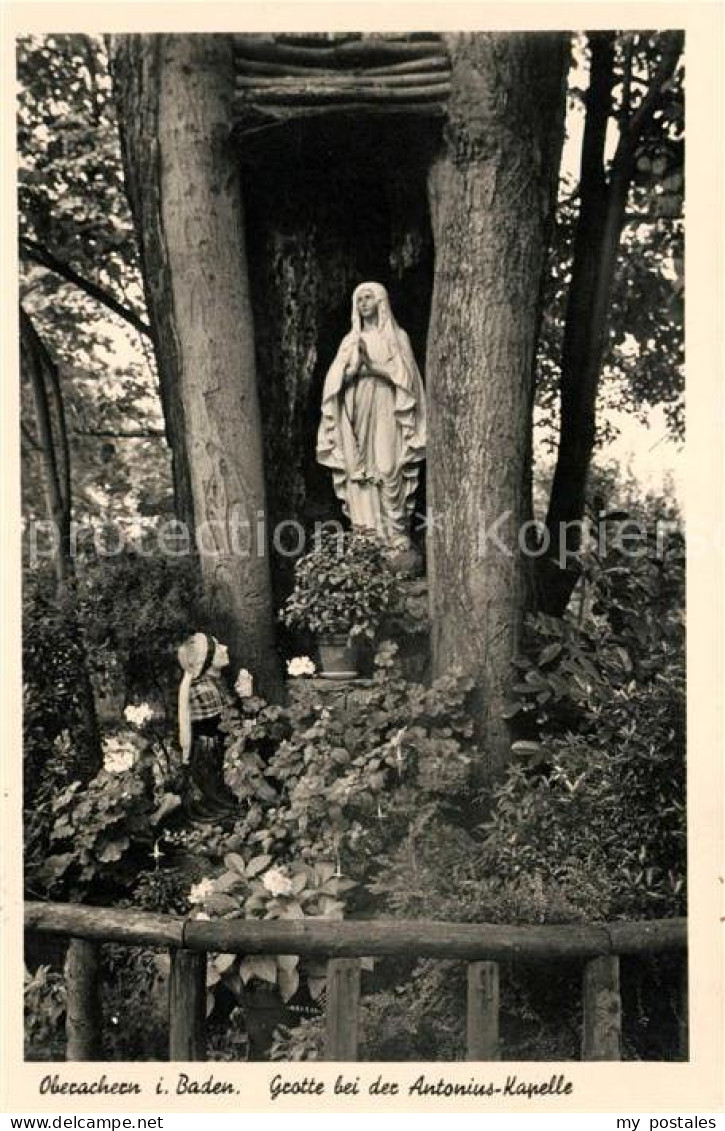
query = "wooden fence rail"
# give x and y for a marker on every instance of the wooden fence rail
(481, 945)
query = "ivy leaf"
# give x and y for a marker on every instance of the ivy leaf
(113, 850)
(224, 962)
(257, 864)
(550, 652)
(261, 966)
(235, 863)
(299, 883)
(316, 987)
(220, 904)
(289, 981)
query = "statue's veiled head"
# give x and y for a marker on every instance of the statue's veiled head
(369, 300)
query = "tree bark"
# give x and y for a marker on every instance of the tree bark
(136, 65)
(54, 451)
(603, 201)
(174, 95)
(491, 200)
(36, 363)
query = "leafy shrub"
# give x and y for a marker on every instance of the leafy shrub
(135, 1003)
(602, 788)
(163, 890)
(254, 889)
(305, 1041)
(345, 585)
(135, 608)
(44, 998)
(53, 692)
(340, 776)
(99, 833)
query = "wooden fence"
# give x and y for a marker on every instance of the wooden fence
(482, 946)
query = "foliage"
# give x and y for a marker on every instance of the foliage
(44, 997)
(163, 890)
(135, 608)
(72, 206)
(129, 608)
(99, 832)
(253, 889)
(135, 1003)
(305, 1041)
(643, 363)
(53, 657)
(229, 1041)
(603, 786)
(344, 585)
(320, 780)
(54, 776)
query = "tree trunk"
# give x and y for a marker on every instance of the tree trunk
(136, 64)
(603, 203)
(491, 199)
(174, 96)
(584, 339)
(53, 446)
(54, 456)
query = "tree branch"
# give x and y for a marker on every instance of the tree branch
(131, 434)
(45, 258)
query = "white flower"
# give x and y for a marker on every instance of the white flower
(277, 883)
(244, 685)
(201, 891)
(138, 714)
(300, 665)
(118, 756)
(118, 763)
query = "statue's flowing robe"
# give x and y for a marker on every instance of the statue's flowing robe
(372, 431)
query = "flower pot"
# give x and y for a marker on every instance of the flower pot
(337, 658)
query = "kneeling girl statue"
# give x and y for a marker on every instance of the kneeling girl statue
(203, 697)
(372, 431)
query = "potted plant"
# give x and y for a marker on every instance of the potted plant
(343, 588)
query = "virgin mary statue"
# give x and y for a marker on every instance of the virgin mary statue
(372, 431)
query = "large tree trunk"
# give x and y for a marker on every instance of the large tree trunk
(136, 66)
(491, 199)
(174, 96)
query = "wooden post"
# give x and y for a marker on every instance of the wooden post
(83, 1010)
(343, 1002)
(602, 1025)
(683, 1020)
(483, 1009)
(187, 1006)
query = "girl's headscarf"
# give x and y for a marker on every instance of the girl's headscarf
(195, 656)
